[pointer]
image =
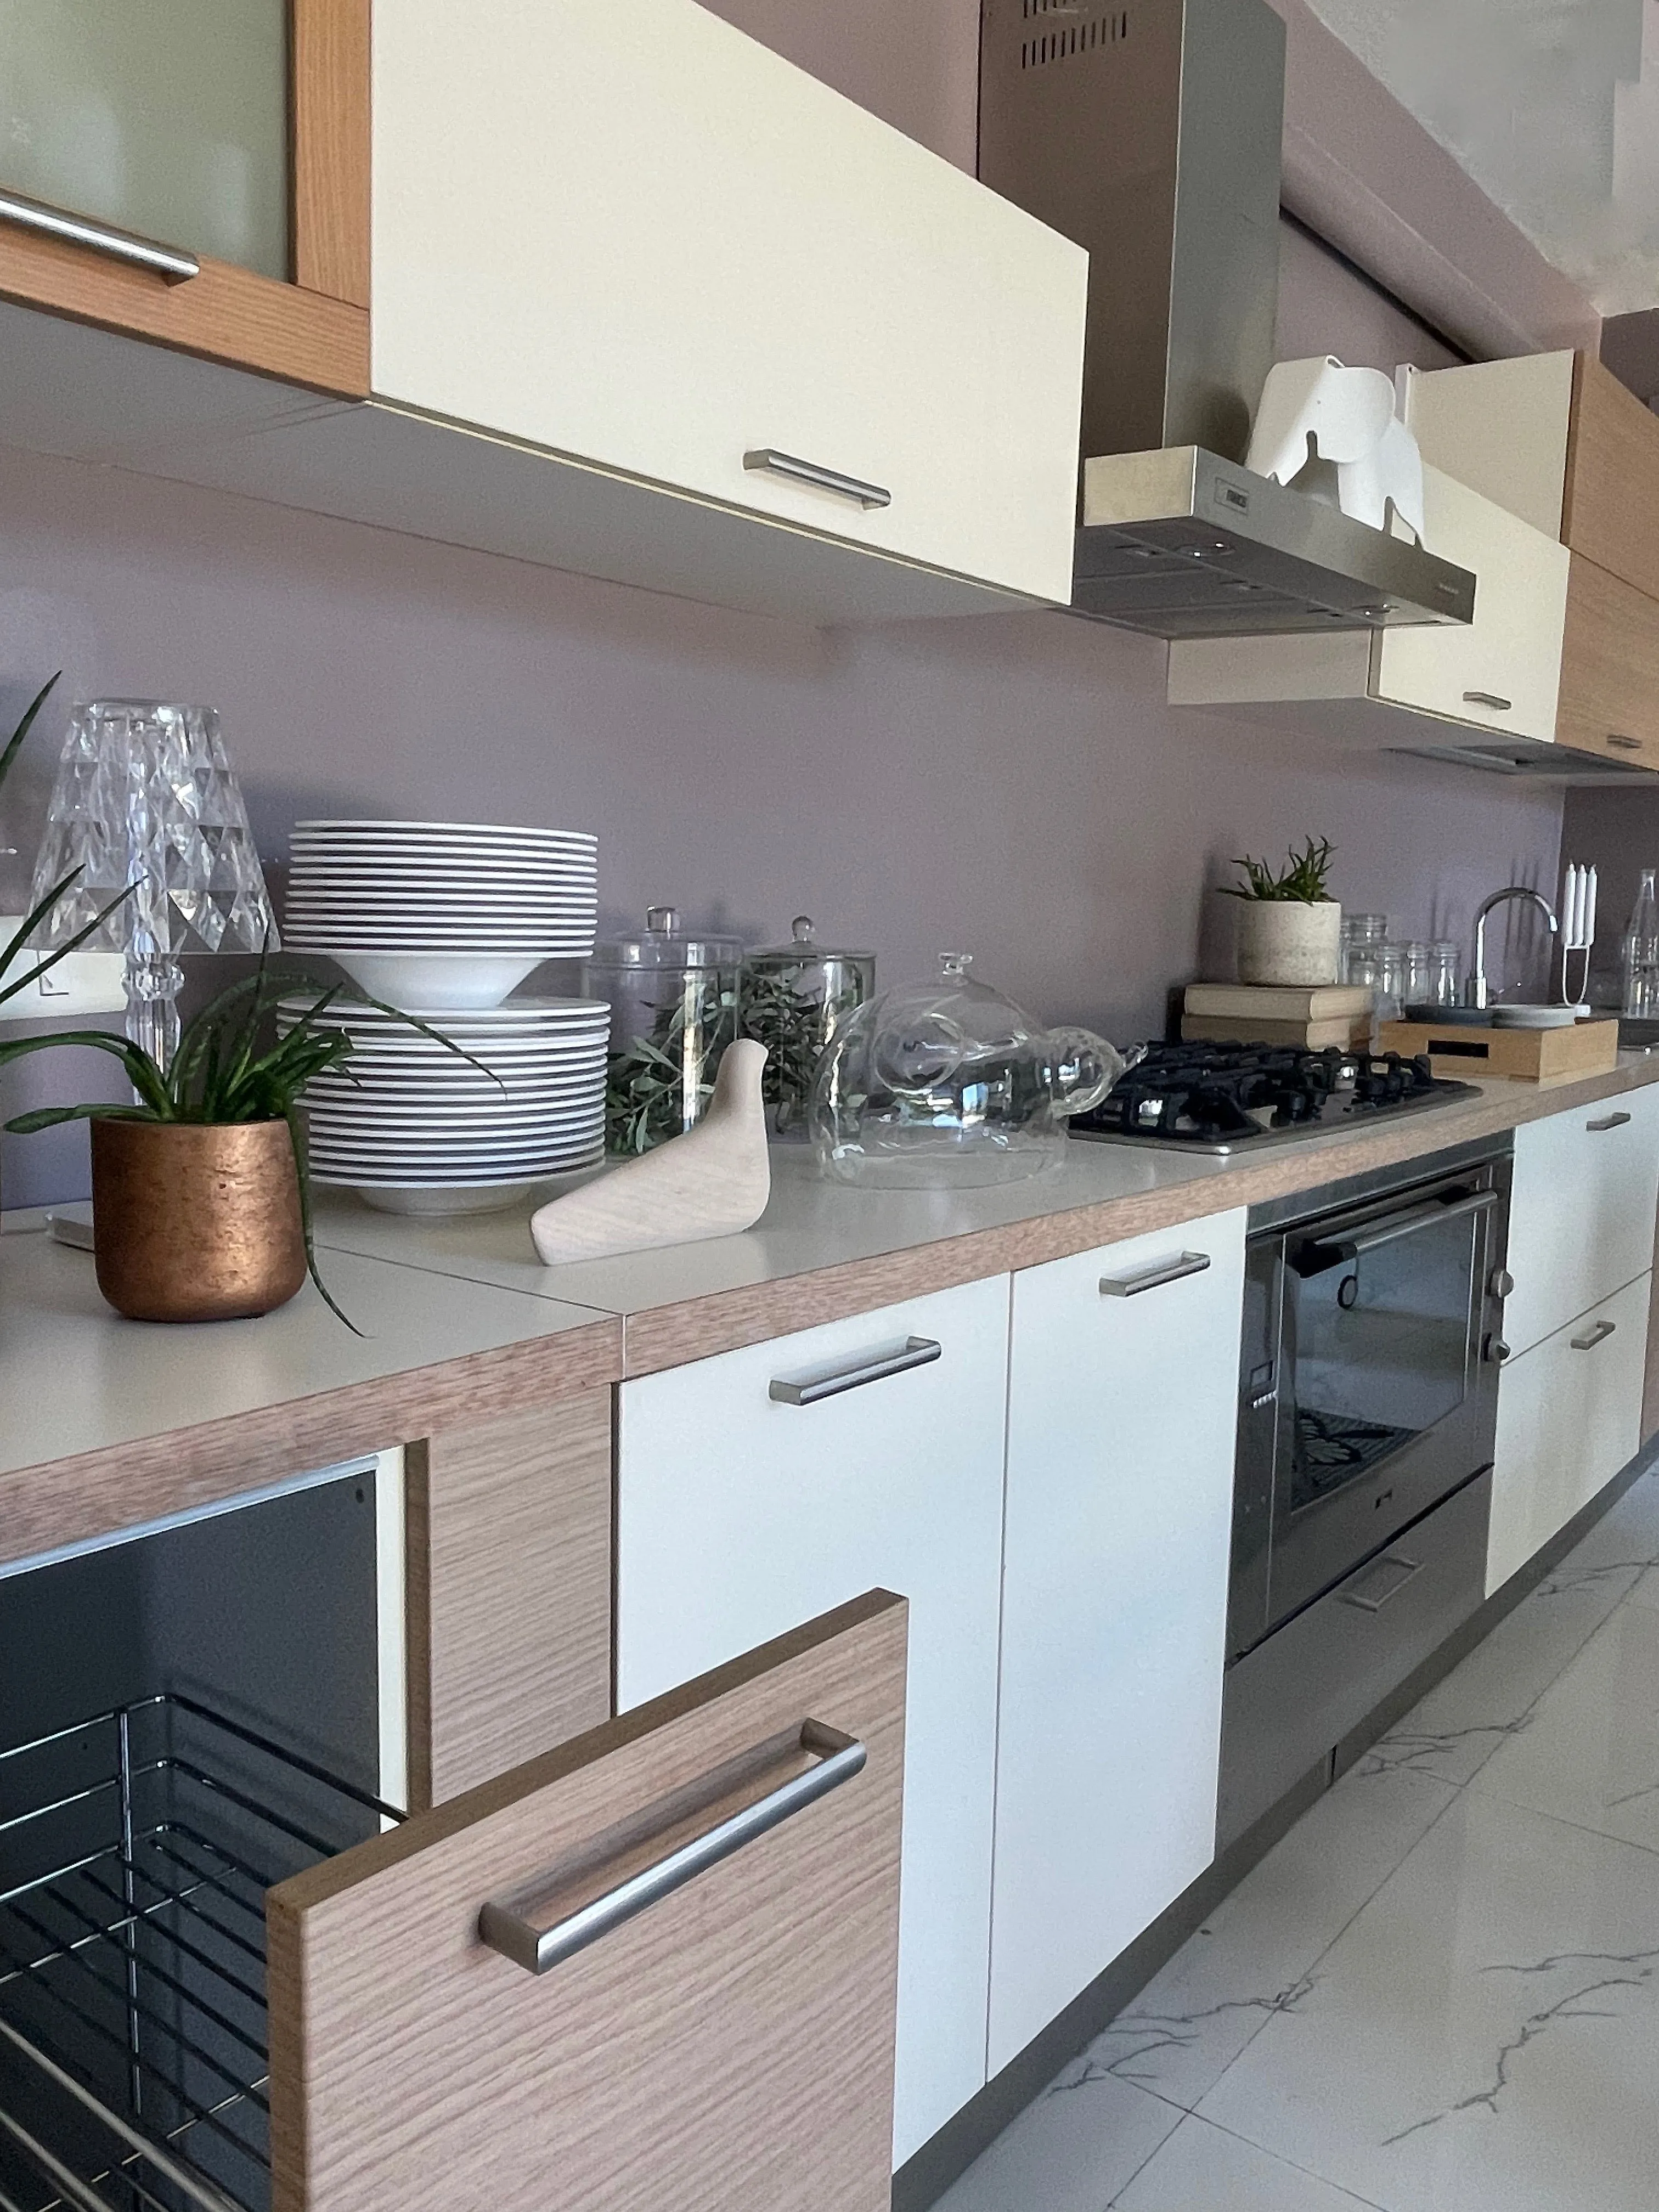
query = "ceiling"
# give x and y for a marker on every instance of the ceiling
(1550, 105)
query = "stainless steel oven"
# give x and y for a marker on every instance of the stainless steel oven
(1368, 1407)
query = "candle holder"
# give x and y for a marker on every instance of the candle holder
(146, 801)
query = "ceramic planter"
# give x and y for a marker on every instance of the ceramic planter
(1285, 941)
(196, 1223)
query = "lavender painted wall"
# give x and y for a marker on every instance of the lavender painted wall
(1014, 786)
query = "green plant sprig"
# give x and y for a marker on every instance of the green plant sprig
(19, 942)
(1303, 879)
(220, 1075)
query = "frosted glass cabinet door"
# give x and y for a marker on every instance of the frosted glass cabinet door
(169, 118)
(739, 1515)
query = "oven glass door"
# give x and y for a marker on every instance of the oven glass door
(1379, 1372)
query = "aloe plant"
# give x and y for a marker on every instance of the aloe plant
(223, 1072)
(1303, 878)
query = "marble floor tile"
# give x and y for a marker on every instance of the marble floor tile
(1591, 1753)
(1202, 2168)
(1490, 1698)
(1251, 1959)
(1484, 2037)
(1070, 2151)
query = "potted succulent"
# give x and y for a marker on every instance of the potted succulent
(199, 1188)
(1289, 929)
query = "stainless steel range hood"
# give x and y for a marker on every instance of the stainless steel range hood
(1151, 133)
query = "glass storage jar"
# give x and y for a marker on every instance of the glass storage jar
(794, 996)
(947, 1085)
(1443, 983)
(1363, 938)
(673, 1002)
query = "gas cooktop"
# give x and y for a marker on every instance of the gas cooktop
(1233, 1098)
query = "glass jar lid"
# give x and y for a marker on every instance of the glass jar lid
(803, 946)
(662, 944)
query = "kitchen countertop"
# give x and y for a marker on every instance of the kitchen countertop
(109, 1423)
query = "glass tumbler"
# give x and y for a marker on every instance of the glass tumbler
(1363, 938)
(1444, 983)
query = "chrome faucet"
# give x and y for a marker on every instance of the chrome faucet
(1479, 989)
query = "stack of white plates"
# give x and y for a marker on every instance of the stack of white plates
(415, 1129)
(446, 914)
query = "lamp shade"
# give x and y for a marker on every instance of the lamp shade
(145, 796)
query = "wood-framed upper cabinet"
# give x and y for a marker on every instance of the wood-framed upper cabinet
(446, 2034)
(235, 132)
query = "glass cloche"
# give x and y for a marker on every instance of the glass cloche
(946, 1085)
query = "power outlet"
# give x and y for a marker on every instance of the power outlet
(81, 984)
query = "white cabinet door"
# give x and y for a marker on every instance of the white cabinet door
(1581, 1217)
(739, 1515)
(1397, 687)
(634, 235)
(1122, 1410)
(1505, 669)
(1569, 1417)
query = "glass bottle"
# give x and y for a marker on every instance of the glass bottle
(673, 1002)
(1642, 953)
(794, 996)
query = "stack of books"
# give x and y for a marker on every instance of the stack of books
(1249, 1013)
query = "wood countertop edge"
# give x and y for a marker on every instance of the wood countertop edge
(92, 1495)
(95, 1495)
(726, 1321)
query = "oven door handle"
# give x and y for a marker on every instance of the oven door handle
(1321, 1253)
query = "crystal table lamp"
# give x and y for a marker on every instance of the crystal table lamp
(145, 797)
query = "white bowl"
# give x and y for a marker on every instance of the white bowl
(454, 981)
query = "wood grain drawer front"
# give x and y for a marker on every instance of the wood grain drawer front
(739, 1513)
(574, 246)
(1503, 670)
(1612, 478)
(1569, 1417)
(1122, 1411)
(1581, 1217)
(1610, 667)
(731, 2044)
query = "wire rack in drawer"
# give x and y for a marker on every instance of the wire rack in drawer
(135, 1852)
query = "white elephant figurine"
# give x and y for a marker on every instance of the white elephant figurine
(1346, 418)
(713, 1181)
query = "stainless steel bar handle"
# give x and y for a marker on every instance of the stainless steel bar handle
(170, 262)
(813, 472)
(1411, 1223)
(1609, 1122)
(840, 1758)
(918, 1352)
(1154, 1278)
(1599, 1334)
(1489, 699)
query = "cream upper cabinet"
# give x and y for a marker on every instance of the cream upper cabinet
(1502, 673)
(636, 238)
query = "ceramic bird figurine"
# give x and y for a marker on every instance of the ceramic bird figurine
(713, 1181)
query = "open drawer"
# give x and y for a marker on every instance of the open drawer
(654, 1967)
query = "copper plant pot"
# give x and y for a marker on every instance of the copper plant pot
(196, 1222)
